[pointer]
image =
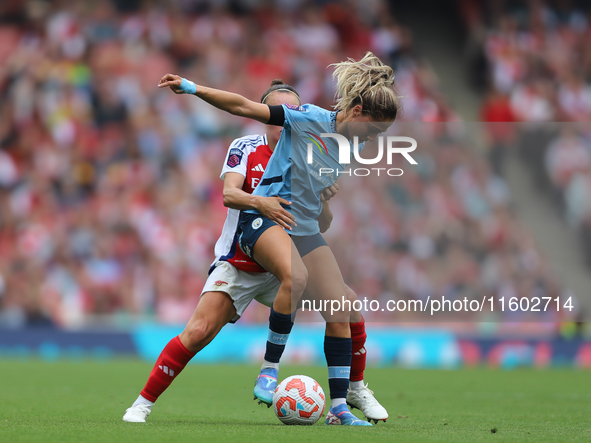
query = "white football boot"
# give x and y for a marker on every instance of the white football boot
(137, 414)
(364, 400)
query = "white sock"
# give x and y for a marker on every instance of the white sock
(269, 365)
(356, 385)
(334, 402)
(143, 401)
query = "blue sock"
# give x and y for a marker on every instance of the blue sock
(279, 328)
(338, 358)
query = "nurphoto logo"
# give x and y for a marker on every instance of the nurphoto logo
(394, 145)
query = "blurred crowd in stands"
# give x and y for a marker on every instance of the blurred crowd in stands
(445, 230)
(536, 64)
(110, 201)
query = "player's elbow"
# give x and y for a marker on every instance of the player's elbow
(250, 109)
(236, 110)
(324, 225)
(241, 107)
(227, 198)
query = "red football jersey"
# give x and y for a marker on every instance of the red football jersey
(247, 156)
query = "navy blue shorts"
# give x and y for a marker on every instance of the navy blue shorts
(307, 243)
(251, 226)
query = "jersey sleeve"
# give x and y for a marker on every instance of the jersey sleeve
(301, 114)
(236, 158)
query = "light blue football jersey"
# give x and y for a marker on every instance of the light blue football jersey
(288, 174)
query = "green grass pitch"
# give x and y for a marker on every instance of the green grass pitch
(84, 402)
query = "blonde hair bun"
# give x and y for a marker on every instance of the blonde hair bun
(369, 83)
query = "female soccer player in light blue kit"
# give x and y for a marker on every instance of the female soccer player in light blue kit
(367, 105)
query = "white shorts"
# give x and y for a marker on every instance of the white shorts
(242, 287)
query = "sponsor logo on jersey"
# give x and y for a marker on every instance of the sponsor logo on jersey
(257, 223)
(258, 168)
(295, 107)
(234, 157)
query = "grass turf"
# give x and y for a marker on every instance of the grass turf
(84, 402)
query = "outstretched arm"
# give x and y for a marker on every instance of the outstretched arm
(226, 101)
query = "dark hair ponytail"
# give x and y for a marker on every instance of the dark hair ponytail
(278, 85)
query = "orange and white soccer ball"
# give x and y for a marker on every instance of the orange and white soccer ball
(299, 400)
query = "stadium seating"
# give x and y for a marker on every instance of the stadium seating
(538, 62)
(110, 200)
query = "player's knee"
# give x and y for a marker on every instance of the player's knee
(299, 280)
(355, 313)
(295, 280)
(337, 328)
(350, 294)
(200, 333)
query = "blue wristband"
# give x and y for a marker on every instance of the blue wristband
(188, 87)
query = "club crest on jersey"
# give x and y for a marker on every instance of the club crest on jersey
(295, 107)
(257, 223)
(234, 157)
